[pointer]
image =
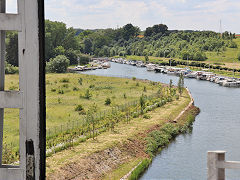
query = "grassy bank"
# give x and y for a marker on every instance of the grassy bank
(65, 92)
(113, 153)
(158, 139)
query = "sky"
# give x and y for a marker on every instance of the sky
(176, 14)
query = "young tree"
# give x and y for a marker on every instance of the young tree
(142, 103)
(170, 86)
(146, 59)
(92, 121)
(181, 84)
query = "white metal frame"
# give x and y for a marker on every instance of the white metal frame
(216, 165)
(30, 99)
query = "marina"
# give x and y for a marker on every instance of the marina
(199, 75)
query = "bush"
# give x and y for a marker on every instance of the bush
(134, 78)
(10, 69)
(60, 91)
(80, 81)
(91, 86)
(79, 108)
(108, 101)
(53, 90)
(84, 59)
(75, 89)
(64, 80)
(87, 94)
(58, 65)
(146, 116)
(65, 86)
(232, 45)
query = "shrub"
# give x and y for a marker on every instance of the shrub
(10, 69)
(80, 81)
(79, 108)
(146, 116)
(144, 89)
(134, 78)
(137, 84)
(124, 96)
(59, 101)
(108, 101)
(91, 86)
(58, 65)
(64, 80)
(65, 86)
(60, 91)
(53, 90)
(75, 89)
(87, 94)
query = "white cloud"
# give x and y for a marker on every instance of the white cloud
(177, 14)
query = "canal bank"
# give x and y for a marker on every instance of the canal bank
(114, 153)
(215, 128)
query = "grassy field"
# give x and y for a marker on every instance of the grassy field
(227, 58)
(64, 93)
(123, 132)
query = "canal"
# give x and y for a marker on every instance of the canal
(217, 127)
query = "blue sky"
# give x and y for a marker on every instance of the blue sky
(177, 14)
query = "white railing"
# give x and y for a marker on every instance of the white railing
(216, 165)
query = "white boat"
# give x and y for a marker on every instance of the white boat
(106, 65)
(151, 67)
(191, 75)
(231, 83)
(219, 80)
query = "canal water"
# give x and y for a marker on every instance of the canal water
(217, 127)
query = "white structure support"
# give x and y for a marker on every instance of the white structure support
(2, 75)
(216, 165)
(29, 22)
(10, 22)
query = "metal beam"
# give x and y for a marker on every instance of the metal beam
(11, 174)
(229, 164)
(10, 22)
(32, 84)
(2, 75)
(11, 99)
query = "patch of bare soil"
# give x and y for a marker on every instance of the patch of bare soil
(97, 164)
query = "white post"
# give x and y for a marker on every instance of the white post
(2, 76)
(29, 22)
(215, 173)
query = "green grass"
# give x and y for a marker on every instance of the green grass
(61, 107)
(122, 170)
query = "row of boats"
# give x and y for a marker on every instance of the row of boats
(187, 73)
(95, 64)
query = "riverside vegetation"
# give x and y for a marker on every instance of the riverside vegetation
(114, 153)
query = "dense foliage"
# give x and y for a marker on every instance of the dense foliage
(157, 41)
(58, 64)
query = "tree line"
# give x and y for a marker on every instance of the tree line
(68, 46)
